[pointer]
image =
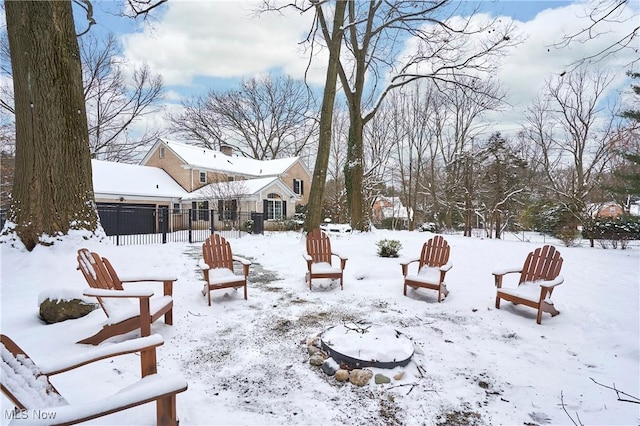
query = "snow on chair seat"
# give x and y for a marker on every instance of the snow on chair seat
(37, 401)
(123, 315)
(539, 275)
(319, 258)
(217, 266)
(433, 264)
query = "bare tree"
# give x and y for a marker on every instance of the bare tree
(412, 113)
(113, 103)
(227, 196)
(455, 128)
(573, 131)
(268, 117)
(334, 197)
(600, 16)
(375, 61)
(447, 50)
(379, 138)
(332, 33)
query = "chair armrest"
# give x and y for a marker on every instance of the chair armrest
(446, 267)
(407, 262)
(245, 264)
(505, 271)
(307, 257)
(148, 389)
(203, 265)
(241, 260)
(101, 292)
(340, 255)
(102, 352)
(405, 265)
(550, 284)
(499, 273)
(147, 278)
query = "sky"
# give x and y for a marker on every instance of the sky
(247, 362)
(199, 45)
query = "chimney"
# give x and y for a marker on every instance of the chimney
(226, 150)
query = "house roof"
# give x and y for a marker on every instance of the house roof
(208, 159)
(119, 179)
(244, 189)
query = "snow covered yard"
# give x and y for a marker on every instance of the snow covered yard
(246, 362)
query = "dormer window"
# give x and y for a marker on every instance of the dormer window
(203, 177)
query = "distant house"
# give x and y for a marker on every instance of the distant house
(179, 176)
(610, 209)
(389, 208)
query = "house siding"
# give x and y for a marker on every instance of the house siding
(297, 171)
(173, 166)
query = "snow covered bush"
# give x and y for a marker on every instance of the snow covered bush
(388, 248)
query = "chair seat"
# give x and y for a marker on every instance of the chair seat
(427, 275)
(123, 309)
(324, 268)
(220, 276)
(526, 290)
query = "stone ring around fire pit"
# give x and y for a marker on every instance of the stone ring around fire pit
(367, 345)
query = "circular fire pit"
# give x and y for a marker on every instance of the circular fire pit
(367, 345)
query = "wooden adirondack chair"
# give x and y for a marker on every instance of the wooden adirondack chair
(217, 266)
(539, 275)
(319, 258)
(433, 265)
(28, 386)
(124, 316)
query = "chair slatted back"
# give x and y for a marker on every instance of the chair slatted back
(98, 271)
(544, 263)
(435, 252)
(319, 246)
(216, 252)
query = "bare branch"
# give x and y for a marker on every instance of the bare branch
(88, 7)
(576, 423)
(598, 16)
(633, 400)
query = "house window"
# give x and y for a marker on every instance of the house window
(612, 211)
(275, 208)
(200, 210)
(298, 186)
(161, 152)
(227, 209)
(203, 177)
(176, 207)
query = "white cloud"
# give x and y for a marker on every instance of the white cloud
(528, 66)
(195, 40)
(219, 39)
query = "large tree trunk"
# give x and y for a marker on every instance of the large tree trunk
(52, 190)
(354, 172)
(314, 208)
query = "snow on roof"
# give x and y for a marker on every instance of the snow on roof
(216, 160)
(237, 189)
(110, 178)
